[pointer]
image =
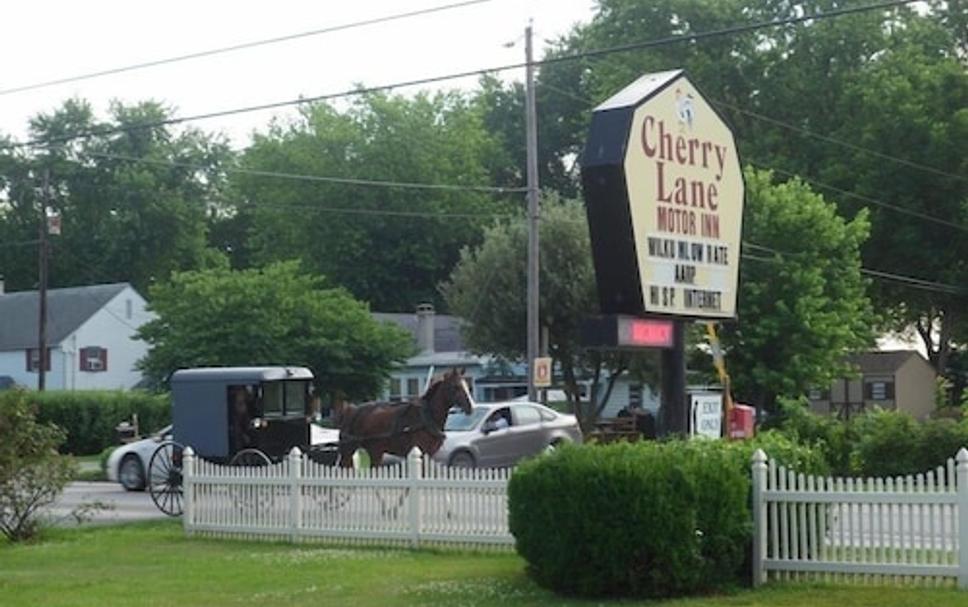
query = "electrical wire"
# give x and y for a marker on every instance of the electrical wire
(909, 280)
(238, 47)
(320, 178)
(465, 74)
(840, 142)
(801, 130)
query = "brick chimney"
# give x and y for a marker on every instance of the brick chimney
(425, 328)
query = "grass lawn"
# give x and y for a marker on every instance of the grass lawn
(155, 564)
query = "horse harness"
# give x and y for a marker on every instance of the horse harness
(400, 424)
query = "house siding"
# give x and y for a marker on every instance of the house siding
(14, 364)
(914, 390)
(109, 328)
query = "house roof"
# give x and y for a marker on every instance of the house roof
(872, 363)
(67, 310)
(447, 336)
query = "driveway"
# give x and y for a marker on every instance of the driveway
(127, 506)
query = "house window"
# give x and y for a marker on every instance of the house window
(395, 386)
(879, 390)
(94, 359)
(413, 386)
(128, 309)
(33, 360)
(818, 394)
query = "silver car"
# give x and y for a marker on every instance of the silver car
(501, 434)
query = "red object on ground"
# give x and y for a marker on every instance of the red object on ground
(741, 421)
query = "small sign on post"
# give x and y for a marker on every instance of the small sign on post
(542, 372)
(707, 414)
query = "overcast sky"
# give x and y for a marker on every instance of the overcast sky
(50, 39)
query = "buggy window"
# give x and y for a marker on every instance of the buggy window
(272, 399)
(296, 398)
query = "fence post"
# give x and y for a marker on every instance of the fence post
(188, 474)
(295, 493)
(414, 474)
(962, 485)
(759, 517)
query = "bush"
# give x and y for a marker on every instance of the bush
(89, 417)
(877, 443)
(32, 473)
(645, 520)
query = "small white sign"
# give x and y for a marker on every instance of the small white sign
(542, 372)
(707, 414)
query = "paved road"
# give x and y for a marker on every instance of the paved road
(127, 506)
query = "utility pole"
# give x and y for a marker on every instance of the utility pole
(42, 333)
(531, 127)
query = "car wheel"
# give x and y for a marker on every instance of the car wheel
(552, 447)
(463, 459)
(131, 473)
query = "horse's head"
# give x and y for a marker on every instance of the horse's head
(451, 391)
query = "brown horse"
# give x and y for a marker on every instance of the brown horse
(397, 428)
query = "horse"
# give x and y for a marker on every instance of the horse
(396, 428)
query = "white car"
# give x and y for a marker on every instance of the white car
(127, 464)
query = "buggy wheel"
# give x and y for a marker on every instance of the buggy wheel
(251, 497)
(250, 458)
(165, 478)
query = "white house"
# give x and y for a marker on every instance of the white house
(90, 334)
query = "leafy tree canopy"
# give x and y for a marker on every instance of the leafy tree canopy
(802, 301)
(389, 246)
(128, 214)
(277, 315)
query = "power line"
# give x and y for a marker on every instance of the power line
(320, 178)
(383, 212)
(820, 184)
(21, 243)
(921, 283)
(238, 47)
(795, 128)
(869, 200)
(840, 142)
(466, 74)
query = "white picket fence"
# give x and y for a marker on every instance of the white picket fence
(904, 529)
(419, 502)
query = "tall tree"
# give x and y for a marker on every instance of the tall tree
(270, 316)
(388, 245)
(134, 202)
(487, 289)
(802, 299)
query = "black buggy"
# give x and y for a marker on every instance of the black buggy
(246, 416)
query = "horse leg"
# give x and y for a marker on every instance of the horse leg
(346, 457)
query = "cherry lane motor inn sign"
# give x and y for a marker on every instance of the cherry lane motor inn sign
(664, 194)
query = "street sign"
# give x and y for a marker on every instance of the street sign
(707, 414)
(542, 372)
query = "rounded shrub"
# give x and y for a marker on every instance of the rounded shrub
(645, 519)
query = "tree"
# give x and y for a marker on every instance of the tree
(389, 246)
(32, 473)
(134, 203)
(488, 286)
(270, 316)
(802, 300)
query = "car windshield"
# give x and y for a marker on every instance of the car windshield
(458, 421)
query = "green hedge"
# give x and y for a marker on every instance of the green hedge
(89, 417)
(641, 520)
(875, 443)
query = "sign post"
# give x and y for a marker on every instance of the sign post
(664, 196)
